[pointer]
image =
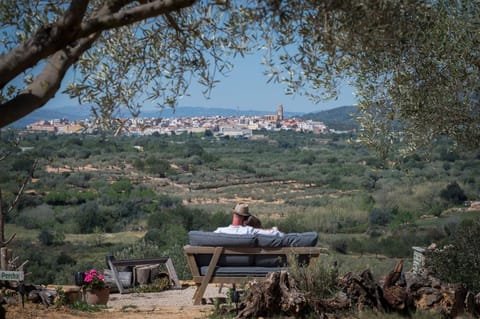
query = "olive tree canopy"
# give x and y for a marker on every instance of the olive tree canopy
(415, 64)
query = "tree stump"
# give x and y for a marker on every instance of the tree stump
(363, 291)
(277, 294)
(394, 289)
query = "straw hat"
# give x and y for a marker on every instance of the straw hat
(241, 209)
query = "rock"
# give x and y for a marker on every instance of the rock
(447, 299)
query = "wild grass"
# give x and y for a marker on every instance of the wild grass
(379, 265)
(21, 232)
(128, 237)
(319, 280)
(419, 314)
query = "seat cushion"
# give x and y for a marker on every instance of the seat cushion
(203, 238)
(307, 239)
(270, 261)
(225, 260)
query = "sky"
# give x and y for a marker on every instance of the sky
(245, 88)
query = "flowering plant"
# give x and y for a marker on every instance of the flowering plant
(93, 279)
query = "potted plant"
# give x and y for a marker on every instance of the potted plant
(96, 291)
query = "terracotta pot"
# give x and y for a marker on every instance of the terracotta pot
(97, 296)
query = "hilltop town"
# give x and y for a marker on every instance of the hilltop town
(233, 126)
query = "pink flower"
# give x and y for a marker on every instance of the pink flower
(93, 279)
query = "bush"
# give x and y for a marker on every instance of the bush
(307, 158)
(189, 218)
(36, 217)
(88, 217)
(155, 236)
(459, 261)
(319, 282)
(380, 216)
(339, 245)
(45, 237)
(454, 194)
(158, 167)
(219, 219)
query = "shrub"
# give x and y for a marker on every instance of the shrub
(380, 216)
(293, 223)
(57, 198)
(22, 164)
(307, 158)
(459, 261)
(65, 259)
(46, 237)
(36, 217)
(453, 193)
(88, 217)
(28, 201)
(319, 281)
(157, 166)
(155, 236)
(124, 186)
(193, 149)
(339, 245)
(219, 219)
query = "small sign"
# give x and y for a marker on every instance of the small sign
(11, 275)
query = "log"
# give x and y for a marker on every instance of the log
(145, 273)
(394, 289)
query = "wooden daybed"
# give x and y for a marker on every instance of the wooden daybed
(235, 259)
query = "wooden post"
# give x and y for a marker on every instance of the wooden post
(9, 258)
(115, 274)
(172, 273)
(3, 258)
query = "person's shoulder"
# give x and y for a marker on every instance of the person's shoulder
(240, 230)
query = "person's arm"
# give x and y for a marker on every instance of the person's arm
(271, 231)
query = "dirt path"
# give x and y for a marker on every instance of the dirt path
(169, 304)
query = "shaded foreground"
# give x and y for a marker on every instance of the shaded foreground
(399, 292)
(278, 296)
(172, 303)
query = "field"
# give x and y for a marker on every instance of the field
(97, 194)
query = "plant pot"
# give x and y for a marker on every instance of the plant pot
(97, 296)
(79, 277)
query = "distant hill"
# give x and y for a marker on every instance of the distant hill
(72, 113)
(340, 118)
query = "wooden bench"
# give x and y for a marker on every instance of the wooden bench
(113, 264)
(236, 275)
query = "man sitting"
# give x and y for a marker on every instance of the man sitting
(245, 223)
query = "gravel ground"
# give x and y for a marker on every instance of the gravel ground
(168, 304)
(169, 298)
